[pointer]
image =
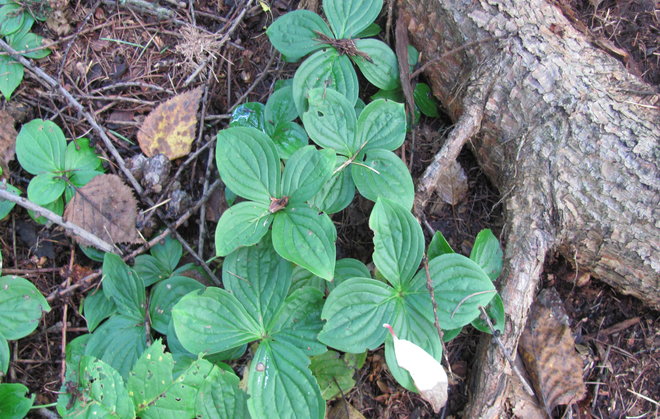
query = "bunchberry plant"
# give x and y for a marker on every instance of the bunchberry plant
(356, 306)
(275, 119)
(15, 25)
(249, 165)
(365, 144)
(59, 168)
(255, 305)
(301, 32)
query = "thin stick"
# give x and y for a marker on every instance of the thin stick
(451, 52)
(51, 216)
(436, 321)
(515, 369)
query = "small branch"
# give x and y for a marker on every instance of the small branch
(54, 218)
(452, 52)
(514, 367)
(436, 321)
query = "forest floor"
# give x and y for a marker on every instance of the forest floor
(120, 63)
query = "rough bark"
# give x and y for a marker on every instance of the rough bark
(567, 136)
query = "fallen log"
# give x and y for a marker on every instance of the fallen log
(565, 133)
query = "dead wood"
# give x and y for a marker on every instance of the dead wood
(564, 132)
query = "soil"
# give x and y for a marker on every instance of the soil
(120, 63)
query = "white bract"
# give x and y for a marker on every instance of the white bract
(427, 373)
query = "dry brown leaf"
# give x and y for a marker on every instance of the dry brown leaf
(343, 410)
(7, 141)
(452, 184)
(548, 351)
(105, 207)
(170, 128)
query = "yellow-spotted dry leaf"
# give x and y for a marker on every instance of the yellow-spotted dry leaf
(170, 128)
(105, 207)
(7, 141)
(548, 351)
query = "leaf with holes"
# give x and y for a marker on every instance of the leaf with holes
(170, 128)
(306, 238)
(331, 122)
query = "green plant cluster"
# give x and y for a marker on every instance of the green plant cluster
(16, 20)
(303, 318)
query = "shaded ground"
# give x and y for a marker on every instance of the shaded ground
(121, 63)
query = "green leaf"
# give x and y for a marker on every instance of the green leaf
(398, 241)
(301, 277)
(82, 162)
(487, 253)
(96, 308)
(164, 296)
(168, 253)
(11, 19)
(21, 305)
(460, 287)
(495, 311)
(150, 269)
(122, 285)
(294, 34)
(249, 115)
(355, 312)
(45, 188)
(213, 321)
(306, 238)
(450, 334)
(244, 224)
(349, 17)
(288, 138)
(4, 355)
(151, 377)
(305, 172)
(325, 69)
(425, 101)
(11, 75)
(371, 30)
(7, 206)
(103, 392)
(384, 175)
(75, 350)
(13, 401)
(56, 206)
(330, 121)
(438, 246)
(40, 147)
(337, 193)
(119, 342)
(280, 106)
(348, 268)
(220, 397)
(333, 375)
(395, 95)
(382, 124)
(259, 278)
(248, 163)
(22, 41)
(178, 401)
(382, 70)
(298, 322)
(279, 381)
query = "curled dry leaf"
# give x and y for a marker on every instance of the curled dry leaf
(105, 207)
(548, 351)
(170, 128)
(427, 373)
(7, 141)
